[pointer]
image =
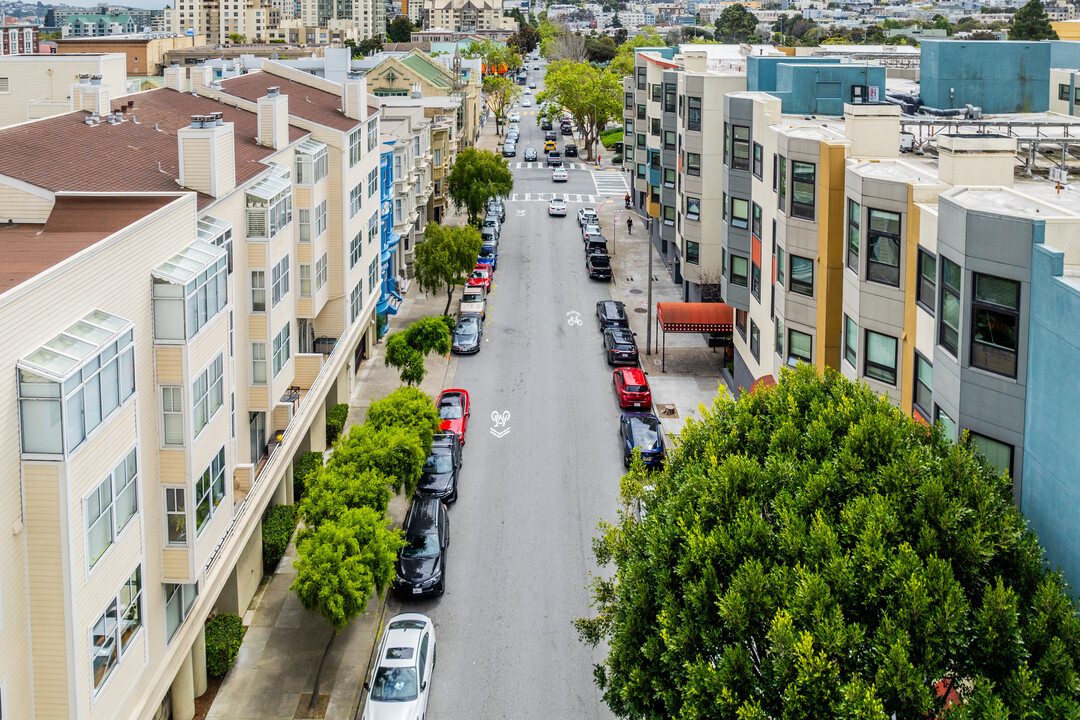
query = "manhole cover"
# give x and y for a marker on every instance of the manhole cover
(641, 310)
(666, 411)
(635, 291)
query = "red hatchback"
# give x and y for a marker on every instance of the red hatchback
(453, 407)
(481, 276)
(632, 388)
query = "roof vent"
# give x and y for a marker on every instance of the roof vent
(354, 74)
(218, 121)
(273, 91)
(197, 122)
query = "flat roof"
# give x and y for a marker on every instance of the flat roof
(1004, 202)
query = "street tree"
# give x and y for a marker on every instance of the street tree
(736, 24)
(407, 407)
(600, 50)
(809, 551)
(237, 39)
(524, 40)
(591, 95)
(623, 64)
(565, 46)
(337, 568)
(333, 490)
(500, 92)
(476, 177)
(615, 21)
(406, 349)
(445, 258)
(396, 453)
(400, 30)
(496, 57)
(1032, 23)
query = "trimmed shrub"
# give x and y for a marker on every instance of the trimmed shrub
(610, 137)
(277, 529)
(224, 633)
(335, 421)
(309, 462)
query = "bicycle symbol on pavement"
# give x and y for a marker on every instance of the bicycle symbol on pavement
(500, 420)
(573, 318)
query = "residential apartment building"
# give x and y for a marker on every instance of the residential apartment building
(211, 22)
(43, 85)
(145, 51)
(18, 39)
(367, 16)
(184, 304)
(465, 15)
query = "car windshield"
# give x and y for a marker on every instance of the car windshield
(438, 463)
(490, 222)
(600, 261)
(487, 254)
(420, 546)
(394, 684)
(466, 328)
(645, 431)
(479, 274)
(450, 410)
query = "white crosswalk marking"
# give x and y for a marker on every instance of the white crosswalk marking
(609, 182)
(543, 166)
(546, 197)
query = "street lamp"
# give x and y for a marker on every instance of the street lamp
(648, 306)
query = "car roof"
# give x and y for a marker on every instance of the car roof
(423, 514)
(610, 305)
(620, 333)
(633, 376)
(444, 438)
(403, 631)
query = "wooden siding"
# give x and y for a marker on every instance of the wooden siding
(172, 467)
(256, 252)
(176, 565)
(169, 364)
(196, 162)
(257, 396)
(307, 369)
(31, 207)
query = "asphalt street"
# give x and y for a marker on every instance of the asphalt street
(541, 466)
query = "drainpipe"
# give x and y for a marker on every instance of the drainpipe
(1072, 93)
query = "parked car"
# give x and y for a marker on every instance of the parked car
(585, 216)
(514, 117)
(489, 255)
(453, 407)
(421, 563)
(468, 333)
(596, 244)
(642, 430)
(473, 300)
(491, 220)
(570, 150)
(496, 206)
(557, 206)
(620, 347)
(509, 149)
(589, 229)
(554, 159)
(401, 679)
(488, 236)
(559, 175)
(481, 276)
(631, 387)
(530, 154)
(599, 266)
(439, 476)
(611, 313)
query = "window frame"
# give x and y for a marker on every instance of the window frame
(791, 346)
(693, 164)
(851, 342)
(925, 290)
(740, 221)
(175, 500)
(258, 357)
(1001, 312)
(258, 290)
(740, 161)
(875, 266)
(925, 410)
(203, 394)
(890, 373)
(693, 123)
(782, 191)
(755, 341)
(281, 351)
(853, 234)
(799, 286)
(758, 161)
(693, 255)
(800, 209)
(945, 292)
(279, 281)
(693, 208)
(740, 279)
(172, 406)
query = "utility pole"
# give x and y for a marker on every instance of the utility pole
(648, 307)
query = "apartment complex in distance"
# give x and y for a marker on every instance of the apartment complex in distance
(465, 16)
(184, 304)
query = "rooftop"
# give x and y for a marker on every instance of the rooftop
(1001, 201)
(318, 106)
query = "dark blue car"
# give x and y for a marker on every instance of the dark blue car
(489, 255)
(642, 430)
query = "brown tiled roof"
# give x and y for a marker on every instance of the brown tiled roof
(423, 45)
(76, 223)
(309, 103)
(64, 154)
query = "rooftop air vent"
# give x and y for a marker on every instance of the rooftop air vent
(273, 91)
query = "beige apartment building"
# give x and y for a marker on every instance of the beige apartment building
(211, 22)
(184, 305)
(40, 85)
(464, 16)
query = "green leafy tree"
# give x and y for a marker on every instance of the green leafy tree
(600, 50)
(406, 407)
(339, 565)
(524, 40)
(811, 552)
(497, 57)
(1032, 23)
(591, 95)
(370, 46)
(476, 177)
(400, 30)
(445, 258)
(396, 453)
(623, 64)
(406, 349)
(736, 24)
(237, 38)
(500, 93)
(333, 490)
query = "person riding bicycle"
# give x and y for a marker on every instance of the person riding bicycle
(627, 199)
(629, 225)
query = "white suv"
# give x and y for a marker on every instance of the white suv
(557, 206)
(401, 682)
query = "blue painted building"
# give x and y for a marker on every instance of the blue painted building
(813, 86)
(1000, 76)
(389, 298)
(1050, 496)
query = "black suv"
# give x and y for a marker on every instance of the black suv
(599, 266)
(554, 159)
(619, 346)
(570, 150)
(421, 563)
(566, 129)
(439, 478)
(546, 125)
(550, 135)
(611, 314)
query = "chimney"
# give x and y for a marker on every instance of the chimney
(176, 78)
(976, 159)
(695, 61)
(273, 110)
(354, 96)
(91, 98)
(207, 159)
(873, 129)
(201, 77)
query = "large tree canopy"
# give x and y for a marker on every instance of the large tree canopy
(1032, 23)
(445, 258)
(476, 177)
(736, 24)
(591, 95)
(810, 552)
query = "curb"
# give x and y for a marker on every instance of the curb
(360, 703)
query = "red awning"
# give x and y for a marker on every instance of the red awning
(694, 317)
(765, 381)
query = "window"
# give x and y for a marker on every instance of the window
(755, 340)
(739, 269)
(851, 342)
(641, 170)
(279, 281)
(669, 215)
(125, 490)
(320, 272)
(354, 147)
(258, 291)
(802, 275)
(740, 322)
(669, 98)
(693, 163)
(949, 317)
(802, 189)
(356, 246)
(303, 218)
(693, 115)
(755, 226)
(111, 635)
(880, 357)
(98, 509)
(780, 266)
(175, 515)
(782, 199)
(641, 141)
(373, 227)
(998, 454)
(173, 414)
(780, 337)
(693, 208)
(724, 206)
(1063, 92)
(755, 280)
(924, 385)
(669, 139)
(641, 112)
(640, 78)
(727, 144)
(628, 101)
(373, 275)
(740, 213)
(355, 301)
(692, 252)
(883, 248)
(320, 220)
(203, 296)
(948, 425)
(995, 324)
(799, 346)
(655, 127)
(209, 491)
(356, 195)
(853, 236)
(372, 135)
(179, 600)
(269, 207)
(655, 96)
(258, 363)
(628, 152)
(281, 351)
(774, 172)
(311, 167)
(373, 182)
(926, 289)
(628, 128)
(759, 161)
(130, 605)
(207, 394)
(740, 147)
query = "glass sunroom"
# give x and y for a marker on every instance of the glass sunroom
(190, 288)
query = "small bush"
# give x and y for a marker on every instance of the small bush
(277, 529)
(335, 421)
(610, 137)
(224, 633)
(307, 464)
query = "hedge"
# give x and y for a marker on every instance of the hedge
(335, 421)
(224, 633)
(277, 530)
(305, 466)
(610, 137)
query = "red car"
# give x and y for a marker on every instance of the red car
(632, 387)
(481, 276)
(453, 407)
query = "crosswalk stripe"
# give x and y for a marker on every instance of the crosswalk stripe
(546, 197)
(543, 166)
(610, 184)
